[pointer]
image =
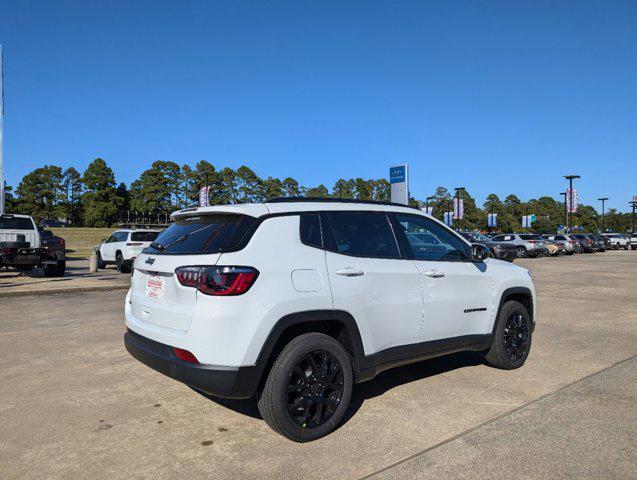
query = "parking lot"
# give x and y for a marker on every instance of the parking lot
(74, 404)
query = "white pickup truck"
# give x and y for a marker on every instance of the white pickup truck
(23, 246)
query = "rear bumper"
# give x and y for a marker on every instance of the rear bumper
(225, 382)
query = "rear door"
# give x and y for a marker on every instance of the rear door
(370, 281)
(457, 293)
(157, 296)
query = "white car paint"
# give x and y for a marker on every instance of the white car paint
(122, 241)
(394, 302)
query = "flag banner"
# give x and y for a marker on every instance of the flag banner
(492, 220)
(572, 200)
(427, 210)
(448, 216)
(458, 209)
(204, 197)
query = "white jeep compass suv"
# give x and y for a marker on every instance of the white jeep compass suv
(296, 300)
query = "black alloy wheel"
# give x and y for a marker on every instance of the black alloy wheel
(314, 389)
(516, 337)
(308, 389)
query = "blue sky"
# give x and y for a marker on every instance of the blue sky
(497, 96)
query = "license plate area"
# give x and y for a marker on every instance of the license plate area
(155, 287)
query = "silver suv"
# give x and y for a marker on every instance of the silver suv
(526, 244)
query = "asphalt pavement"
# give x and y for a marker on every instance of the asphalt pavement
(74, 404)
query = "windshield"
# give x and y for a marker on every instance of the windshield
(16, 223)
(201, 234)
(476, 237)
(143, 236)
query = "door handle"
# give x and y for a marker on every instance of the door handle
(349, 272)
(434, 273)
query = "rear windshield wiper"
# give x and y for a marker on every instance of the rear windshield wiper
(163, 248)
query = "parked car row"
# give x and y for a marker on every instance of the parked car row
(537, 245)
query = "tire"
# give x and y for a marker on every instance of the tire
(56, 270)
(290, 371)
(506, 353)
(521, 252)
(122, 265)
(100, 263)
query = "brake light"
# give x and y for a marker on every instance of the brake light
(532, 241)
(185, 355)
(218, 281)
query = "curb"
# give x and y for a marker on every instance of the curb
(60, 291)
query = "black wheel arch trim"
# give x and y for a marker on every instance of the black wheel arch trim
(503, 299)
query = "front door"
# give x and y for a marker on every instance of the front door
(457, 293)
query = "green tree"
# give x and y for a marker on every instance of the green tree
(229, 191)
(317, 192)
(157, 189)
(72, 185)
(41, 194)
(272, 188)
(101, 202)
(291, 187)
(249, 186)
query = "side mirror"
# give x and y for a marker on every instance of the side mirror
(479, 252)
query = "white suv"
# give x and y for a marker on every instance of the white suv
(123, 246)
(296, 301)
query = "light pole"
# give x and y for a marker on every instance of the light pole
(458, 190)
(570, 179)
(632, 217)
(565, 212)
(427, 202)
(603, 199)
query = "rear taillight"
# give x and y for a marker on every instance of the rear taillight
(185, 355)
(218, 281)
(532, 241)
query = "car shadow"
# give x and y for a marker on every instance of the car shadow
(382, 383)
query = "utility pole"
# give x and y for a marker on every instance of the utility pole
(603, 199)
(458, 190)
(1, 118)
(570, 179)
(632, 217)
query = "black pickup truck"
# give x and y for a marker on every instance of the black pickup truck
(23, 246)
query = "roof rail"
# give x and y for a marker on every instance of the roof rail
(333, 200)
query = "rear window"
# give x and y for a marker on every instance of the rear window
(16, 223)
(363, 234)
(201, 234)
(311, 230)
(143, 236)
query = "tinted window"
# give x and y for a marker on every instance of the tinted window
(201, 234)
(531, 237)
(311, 230)
(16, 223)
(121, 236)
(430, 241)
(363, 234)
(143, 236)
